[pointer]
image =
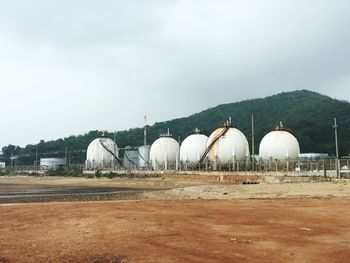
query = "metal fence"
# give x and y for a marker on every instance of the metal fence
(322, 167)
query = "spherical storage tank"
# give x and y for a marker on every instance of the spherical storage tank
(101, 153)
(164, 153)
(228, 145)
(193, 147)
(280, 144)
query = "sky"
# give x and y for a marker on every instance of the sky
(68, 67)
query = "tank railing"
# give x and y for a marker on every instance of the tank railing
(34, 168)
(173, 166)
(20, 168)
(321, 167)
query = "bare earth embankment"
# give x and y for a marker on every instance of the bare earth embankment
(176, 221)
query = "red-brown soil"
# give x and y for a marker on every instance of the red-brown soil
(265, 230)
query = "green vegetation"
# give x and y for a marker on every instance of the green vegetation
(3, 173)
(62, 171)
(309, 114)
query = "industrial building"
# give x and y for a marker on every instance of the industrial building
(313, 156)
(52, 163)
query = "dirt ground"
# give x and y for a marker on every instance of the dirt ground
(186, 222)
(30, 189)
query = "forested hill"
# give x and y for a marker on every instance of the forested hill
(309, 114)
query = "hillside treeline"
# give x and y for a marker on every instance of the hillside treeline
(309, 114)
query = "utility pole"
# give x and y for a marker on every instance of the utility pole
(114, 150)
(145, 132)
(36, 157)
(335, 126)
(253, 142)
(65, 155)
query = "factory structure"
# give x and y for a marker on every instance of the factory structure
(47, 164)
(227, 148)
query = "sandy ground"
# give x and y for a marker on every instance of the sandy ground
(173, 189)
(294, 230)
(254, 191)
(186, 222)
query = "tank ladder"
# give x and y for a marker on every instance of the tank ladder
(108, 150)
(222, 133)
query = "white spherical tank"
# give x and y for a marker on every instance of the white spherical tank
(164, 153)
(101, 153)
(279, 145)
(192, 148)
(231, 147)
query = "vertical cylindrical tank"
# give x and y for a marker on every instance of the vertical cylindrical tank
(144, 156)
(131, 158)
(164, 153)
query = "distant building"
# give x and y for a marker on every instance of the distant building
(52, 163)
(313, 156)
(2, 165)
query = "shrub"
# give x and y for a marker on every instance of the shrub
(98, 174)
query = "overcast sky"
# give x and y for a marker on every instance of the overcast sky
(68, 67)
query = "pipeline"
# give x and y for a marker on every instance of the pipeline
(146, 162)
(128, 158)
(108, 150)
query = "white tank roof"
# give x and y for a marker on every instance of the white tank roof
(97, 154)
(279, 145)
(193, 147)
(164, 149)
(232, 146)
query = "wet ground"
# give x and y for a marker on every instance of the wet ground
(48, 193)
(26, 189)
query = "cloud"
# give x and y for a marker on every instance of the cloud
(72, 66)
